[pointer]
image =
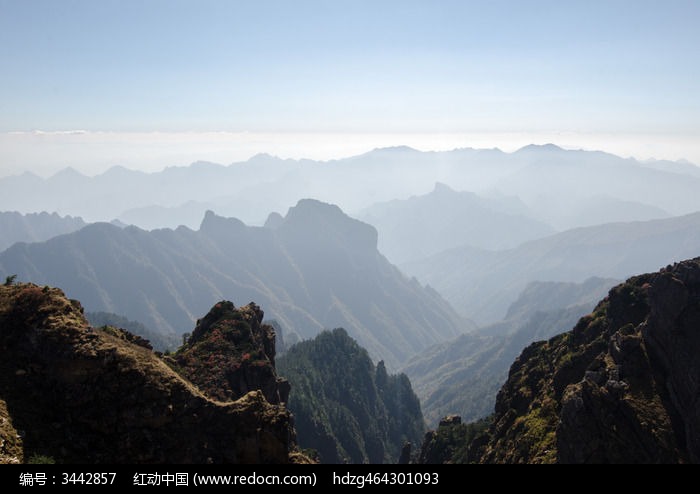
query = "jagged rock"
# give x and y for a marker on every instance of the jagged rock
(231, 353)
(10, 440)
(428, 453)
(450, 420)
(622, 387)
(89, 396)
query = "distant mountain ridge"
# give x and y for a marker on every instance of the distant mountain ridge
(315, 269)
(425, 225)
(482, 284)
(249, 190)
(34, 227)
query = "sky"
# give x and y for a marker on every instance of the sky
(151, 83)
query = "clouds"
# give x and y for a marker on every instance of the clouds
(348, 67)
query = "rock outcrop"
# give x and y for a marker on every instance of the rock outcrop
(82, 395)
(231, 353)
(621, 387)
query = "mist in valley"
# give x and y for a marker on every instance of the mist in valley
(445, 183)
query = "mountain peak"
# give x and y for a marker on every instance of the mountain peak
(311, 218)
(618, 388)
(394, 149)
(68, 173)
(441, 188)
(264, 158)
(213, 222)
(273, 220)
(399, 149)
(114, 398)
(231, 353)
(549, 148)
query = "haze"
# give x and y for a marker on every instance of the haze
(294, 201)
(148, 85)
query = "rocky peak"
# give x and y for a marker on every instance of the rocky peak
(441, 188)
(83, 395)
(274, 220)
(212, 223)
(621, 387)
(231, 353)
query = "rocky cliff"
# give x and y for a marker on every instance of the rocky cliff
(621, 387)
(231, 353)
(79, 394)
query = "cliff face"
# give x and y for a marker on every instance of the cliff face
(345, 407)
(79, 394)
(623, 386)
(231, 353)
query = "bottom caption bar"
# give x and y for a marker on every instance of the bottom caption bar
(44, 477)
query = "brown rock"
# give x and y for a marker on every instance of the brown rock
(95, 397)
(231, 353)
(622, 387)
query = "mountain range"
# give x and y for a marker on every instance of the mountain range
(526, 245)
(482, 284)
(422, 226)
(581, 187)
(315, 268)
(34, 227)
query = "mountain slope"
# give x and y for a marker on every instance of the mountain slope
(82, 395)
(482, 284)
(463, 376)
(315, 269)
(159, 341)
(345, 408)
(34, 227)
(425, 225)
(621, 387)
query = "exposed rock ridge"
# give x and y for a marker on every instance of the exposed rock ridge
(82, 395)
(622, 387)
(231, 353)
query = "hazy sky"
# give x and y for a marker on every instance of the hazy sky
(298, 76)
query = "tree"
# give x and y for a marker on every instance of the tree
(10, 280)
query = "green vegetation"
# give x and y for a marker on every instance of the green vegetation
(10, 280)
(346, 408)
(37, 459)
(451, 442)
(463, 376)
